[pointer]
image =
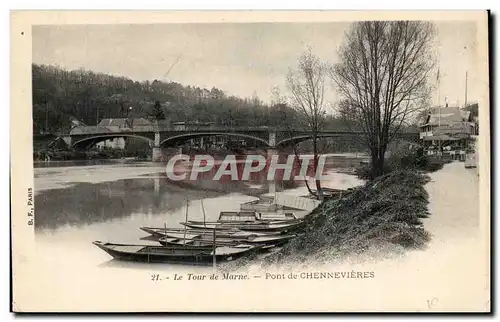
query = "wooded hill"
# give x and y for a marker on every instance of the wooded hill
(61, 96)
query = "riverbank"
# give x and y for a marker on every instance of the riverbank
(450, 274)
(382, 217)
(386, 218)
(385, 213)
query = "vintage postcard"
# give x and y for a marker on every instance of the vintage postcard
(274, 161)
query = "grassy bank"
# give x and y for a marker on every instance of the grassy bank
(383, 216)
(380, 219)
(385, 212)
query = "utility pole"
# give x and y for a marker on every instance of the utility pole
(439, 115)
(465, 103)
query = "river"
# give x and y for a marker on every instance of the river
(79, 202)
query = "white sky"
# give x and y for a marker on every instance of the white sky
(241, 59)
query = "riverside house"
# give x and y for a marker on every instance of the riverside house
(451, 128)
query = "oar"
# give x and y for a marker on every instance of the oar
(165, 233)
(204, 219)
(215, 248)
(185, 227)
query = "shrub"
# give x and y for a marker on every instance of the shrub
(408, 159)
(364, 171)
(385, 211)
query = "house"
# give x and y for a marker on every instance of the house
(447, 126)
(110, 125)
(85, 129)
(121, 124)
(474, 110)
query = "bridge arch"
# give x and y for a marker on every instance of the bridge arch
(93, 140)
(410, 137)
(187, 136)
(300, 138)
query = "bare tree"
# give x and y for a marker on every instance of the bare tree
(307, 87)
(279, 103)
(382, 79)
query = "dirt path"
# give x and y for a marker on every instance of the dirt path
(453, 204)
(453, 270)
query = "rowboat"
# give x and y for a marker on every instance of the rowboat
(174, 254)
(160, 232)
(167, 241)
(180, 239)
(253, 216)
(229, 233)
(234, 219)
(234, 224)
(202, 244)
(258, 226)
(262, 204)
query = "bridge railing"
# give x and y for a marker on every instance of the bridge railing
(170, 128)
(162, 128)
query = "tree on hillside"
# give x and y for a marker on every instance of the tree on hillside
(382, 79)
(60, 96)
(307, 87)
(157, 112)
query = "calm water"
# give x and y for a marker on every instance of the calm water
(78, 203)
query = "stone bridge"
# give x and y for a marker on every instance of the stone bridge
(163, 137)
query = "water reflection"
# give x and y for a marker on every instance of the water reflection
(150, 195)
(86, 203)
(67, 220)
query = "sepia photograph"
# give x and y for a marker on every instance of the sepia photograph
(250, 161)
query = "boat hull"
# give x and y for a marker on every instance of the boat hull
(166, 254)
(258, 241)
(260, 227)
(205, 231)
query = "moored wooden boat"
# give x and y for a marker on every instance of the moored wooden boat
(160, 232)
(253, 216)
(229, 233)
(235, 224)
(174, 254)
(262, 204)
(165, 241)
(179, 239)
(257, 227)
(202, 244)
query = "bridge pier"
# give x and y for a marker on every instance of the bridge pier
(157, 154)
(157, 186)
(271, 183)
(157, 139)
(272, 139)
(270, 152)
(67, 140)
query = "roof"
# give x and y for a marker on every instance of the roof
(473, 108)
(124, 121)
(446, 115)
(84, 129)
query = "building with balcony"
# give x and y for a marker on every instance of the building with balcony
(449, 127)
